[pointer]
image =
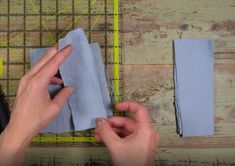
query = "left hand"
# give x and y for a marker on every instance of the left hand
(33, 109)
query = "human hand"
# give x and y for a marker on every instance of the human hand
(130, 141)
(33, 109)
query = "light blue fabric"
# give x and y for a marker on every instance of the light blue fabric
(193, 76)
(79, 71)
(84, 70)
(103, 78)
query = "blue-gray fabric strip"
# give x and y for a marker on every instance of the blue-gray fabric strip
(103, 80)
(193, 75)
(79, 71)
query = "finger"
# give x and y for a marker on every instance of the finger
(106, 134)
(62, 96)
(141, 113)
(58, 102)
(121, 132)
(52, 66)
(122, 122)
(97, 138)
(48, 55)
(56, 80)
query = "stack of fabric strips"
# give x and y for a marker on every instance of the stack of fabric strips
(193, 76)
(84, 71)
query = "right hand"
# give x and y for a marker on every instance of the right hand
(130, 141)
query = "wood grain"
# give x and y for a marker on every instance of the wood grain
(100, 156)
(151, 25)
(152, 85)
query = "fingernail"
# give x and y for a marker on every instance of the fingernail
(69, 45)
(71, 89)
(98, 121)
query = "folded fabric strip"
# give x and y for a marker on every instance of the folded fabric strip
(79, 71)
(193, 76)
(103, 78)
(84, 71)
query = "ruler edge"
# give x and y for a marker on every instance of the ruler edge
(1, 67)
(116, 72)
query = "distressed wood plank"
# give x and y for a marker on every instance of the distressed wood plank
(153, 86)
(100, 156)
(151, 25)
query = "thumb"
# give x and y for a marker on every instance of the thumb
(105, 133)
(62, 96)
(58, 102)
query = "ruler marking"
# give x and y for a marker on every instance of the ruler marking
(116, 50)
(63, 139)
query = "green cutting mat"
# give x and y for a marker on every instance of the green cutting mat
(26, 24)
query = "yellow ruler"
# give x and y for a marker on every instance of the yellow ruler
(116, 52)
(116, 84)
(1, 67)
(45, 139)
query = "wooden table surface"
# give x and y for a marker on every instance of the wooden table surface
(149, 27)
